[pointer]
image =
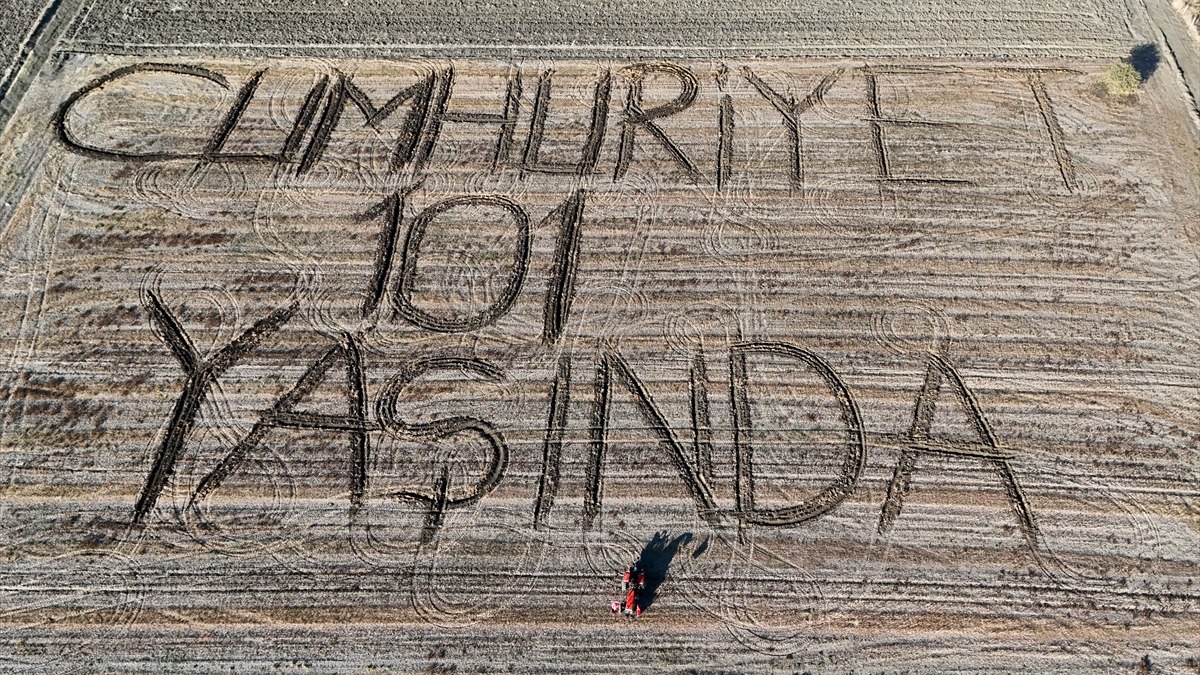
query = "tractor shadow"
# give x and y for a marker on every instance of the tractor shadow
(655, 558)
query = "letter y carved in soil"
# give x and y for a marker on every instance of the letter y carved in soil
(201, 373)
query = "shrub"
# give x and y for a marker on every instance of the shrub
(1122, 79)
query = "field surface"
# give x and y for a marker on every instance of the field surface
(659, 28)
(356, 338)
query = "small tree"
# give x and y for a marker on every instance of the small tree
(1122, 79)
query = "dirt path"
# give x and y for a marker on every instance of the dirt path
(1169, 31)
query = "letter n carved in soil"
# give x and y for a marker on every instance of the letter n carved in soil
(612, 366)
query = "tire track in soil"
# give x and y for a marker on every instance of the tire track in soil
(515, 580)
(97, 587)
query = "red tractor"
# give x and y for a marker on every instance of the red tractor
(633, 581)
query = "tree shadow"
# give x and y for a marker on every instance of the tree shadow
(1144, 58)
(654, 560)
